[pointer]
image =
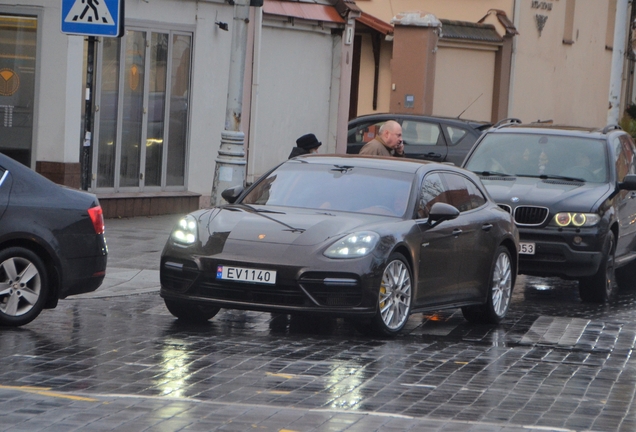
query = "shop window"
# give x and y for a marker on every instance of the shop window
(18, 43)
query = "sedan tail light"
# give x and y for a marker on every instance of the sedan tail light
(97, 217)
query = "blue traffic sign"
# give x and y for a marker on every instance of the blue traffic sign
(93, 17)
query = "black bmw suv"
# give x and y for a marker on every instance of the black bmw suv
(572, 193)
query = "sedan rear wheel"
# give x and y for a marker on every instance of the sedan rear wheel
(394, 298)
(23, 286)
(191, 312)
(499, 292)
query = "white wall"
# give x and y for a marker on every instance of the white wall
(294, 93)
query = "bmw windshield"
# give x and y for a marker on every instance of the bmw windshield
(538, 155)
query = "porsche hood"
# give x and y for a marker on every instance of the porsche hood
(298, 227)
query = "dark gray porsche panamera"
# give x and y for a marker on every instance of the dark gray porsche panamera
(366, 238)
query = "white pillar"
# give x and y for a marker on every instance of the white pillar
(230, 163)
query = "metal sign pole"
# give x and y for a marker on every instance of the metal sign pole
(88, 115)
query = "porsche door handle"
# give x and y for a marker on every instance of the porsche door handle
(434, 155)
(486, 227)
(457, 232)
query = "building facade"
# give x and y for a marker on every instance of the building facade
(552, 63)
(159, 94)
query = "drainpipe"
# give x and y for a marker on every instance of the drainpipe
(618, 54)
(256, 74)
(230, 163)
(516, 14)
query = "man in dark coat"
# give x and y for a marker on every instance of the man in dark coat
(304, 145)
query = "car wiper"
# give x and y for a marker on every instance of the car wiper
(342, 168)
(250, 208)
(492, 173)
(553, 177)
(260, 212)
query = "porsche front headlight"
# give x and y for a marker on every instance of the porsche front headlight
(575, 220)
(186, 231)
(354, 245)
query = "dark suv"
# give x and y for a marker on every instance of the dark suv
(572, 193)
(438, 139)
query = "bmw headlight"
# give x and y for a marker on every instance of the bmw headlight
(575, 220)
(354, 245)
(186, 231)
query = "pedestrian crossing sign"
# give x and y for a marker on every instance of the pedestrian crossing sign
(93, 17)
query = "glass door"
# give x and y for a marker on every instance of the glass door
(18, 36)
(134, 109)
(141, 120)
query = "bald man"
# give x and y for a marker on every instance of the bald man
(388, 142)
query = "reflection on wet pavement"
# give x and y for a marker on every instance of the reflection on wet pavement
(554, 362)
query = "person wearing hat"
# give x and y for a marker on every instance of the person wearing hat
(306, 144)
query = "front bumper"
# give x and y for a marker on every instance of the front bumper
(342, 289)
(566, 253)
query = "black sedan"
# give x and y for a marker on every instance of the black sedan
(438, 139)
(371, 239)
(51, 243)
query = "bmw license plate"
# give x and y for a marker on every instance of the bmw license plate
(526, 248)
(246, 275)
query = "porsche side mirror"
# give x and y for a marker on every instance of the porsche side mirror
(628, 183)
(441, 212)
(231, 194)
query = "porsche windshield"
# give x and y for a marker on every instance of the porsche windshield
(334, 187)
(534, 155)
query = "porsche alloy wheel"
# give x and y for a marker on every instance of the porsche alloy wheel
(499, 292)
(23, 286)
(394, 299)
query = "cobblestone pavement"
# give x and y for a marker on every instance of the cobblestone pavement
(121, 362)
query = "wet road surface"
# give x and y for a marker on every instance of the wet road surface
(122, 362)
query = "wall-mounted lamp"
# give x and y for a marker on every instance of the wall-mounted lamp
(221, 24)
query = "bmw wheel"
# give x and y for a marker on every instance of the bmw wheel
(394, 297)
(500, 288)
(191, 312)
(601, 287)
(23, 286)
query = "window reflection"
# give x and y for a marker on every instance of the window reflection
(108, 113)
(156, 108)
(178, 110)
(17, 83)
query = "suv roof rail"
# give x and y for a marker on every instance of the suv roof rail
(611, 127)
(506, 122)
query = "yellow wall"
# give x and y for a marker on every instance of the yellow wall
(462, 10)
(566, 83)
(367, 69)
(461, 77)
(550, 80)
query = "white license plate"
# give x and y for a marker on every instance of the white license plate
(246, 275)
(526, 248)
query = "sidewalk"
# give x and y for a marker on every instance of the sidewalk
(134, 251)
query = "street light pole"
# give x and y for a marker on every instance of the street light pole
(230, 163)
